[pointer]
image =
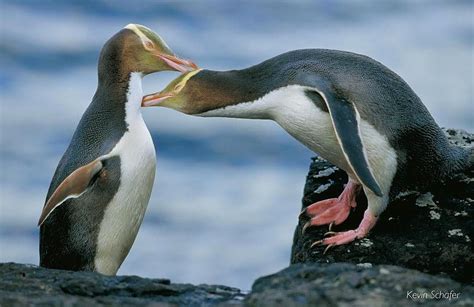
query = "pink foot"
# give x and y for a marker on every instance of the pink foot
(367, 223)
(333, 210)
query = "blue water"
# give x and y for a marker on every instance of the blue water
(227, 192)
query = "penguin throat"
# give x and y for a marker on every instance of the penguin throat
(268, 106)
(134, 98)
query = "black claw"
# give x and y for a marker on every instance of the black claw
(329, 233)
(316, 243)
(327, 248)
(305, 226)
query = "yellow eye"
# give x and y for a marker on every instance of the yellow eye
(149, 45)
(178, 87)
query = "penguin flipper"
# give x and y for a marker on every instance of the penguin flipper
(73, 186)
(345, 119)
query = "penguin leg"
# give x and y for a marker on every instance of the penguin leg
(376, 205)
(333, 210)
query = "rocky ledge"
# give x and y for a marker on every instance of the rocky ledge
(431, 232)
(419, 252)
(314, 284)
(22, 285)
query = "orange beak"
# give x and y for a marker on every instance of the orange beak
(176, 63)
(154, 99)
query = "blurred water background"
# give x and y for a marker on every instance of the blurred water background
(227, 192)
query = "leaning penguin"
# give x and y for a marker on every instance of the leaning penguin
(348, 108)
(102, 185)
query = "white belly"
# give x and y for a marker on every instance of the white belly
(124, 214)
(302, 119)
(298, 115)
(313, 127)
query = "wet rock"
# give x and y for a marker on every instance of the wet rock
(431, 231)
(22, 285)
(344, 284)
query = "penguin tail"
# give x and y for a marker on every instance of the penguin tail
(460, 152)
(471, 158)
(462, 160)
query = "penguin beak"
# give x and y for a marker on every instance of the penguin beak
(155, 99)
(176, 63)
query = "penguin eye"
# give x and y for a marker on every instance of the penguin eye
(178, 87)
(149, 45)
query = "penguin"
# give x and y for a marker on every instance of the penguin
(348, 108)
(101, 187)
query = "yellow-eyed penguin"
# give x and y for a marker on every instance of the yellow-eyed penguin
(102, 185)
(348, 108)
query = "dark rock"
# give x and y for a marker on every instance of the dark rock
(301, 284)
(431, 232)
(22, 285)
(344, 284)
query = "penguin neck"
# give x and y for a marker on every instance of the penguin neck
(134, 98)
(237, 93)
(125, 93)
(119, 86)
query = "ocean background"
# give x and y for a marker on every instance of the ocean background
(227, 192)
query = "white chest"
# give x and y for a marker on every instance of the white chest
(302, 119)
(124, 214)
(298, 115)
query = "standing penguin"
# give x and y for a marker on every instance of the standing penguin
(348, 108)
(102, 185)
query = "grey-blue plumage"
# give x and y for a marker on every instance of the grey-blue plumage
(348, 108)
(380, 96)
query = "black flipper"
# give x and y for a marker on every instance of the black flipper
(345, 121)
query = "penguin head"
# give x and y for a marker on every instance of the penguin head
(138, 49)
(177, 95)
